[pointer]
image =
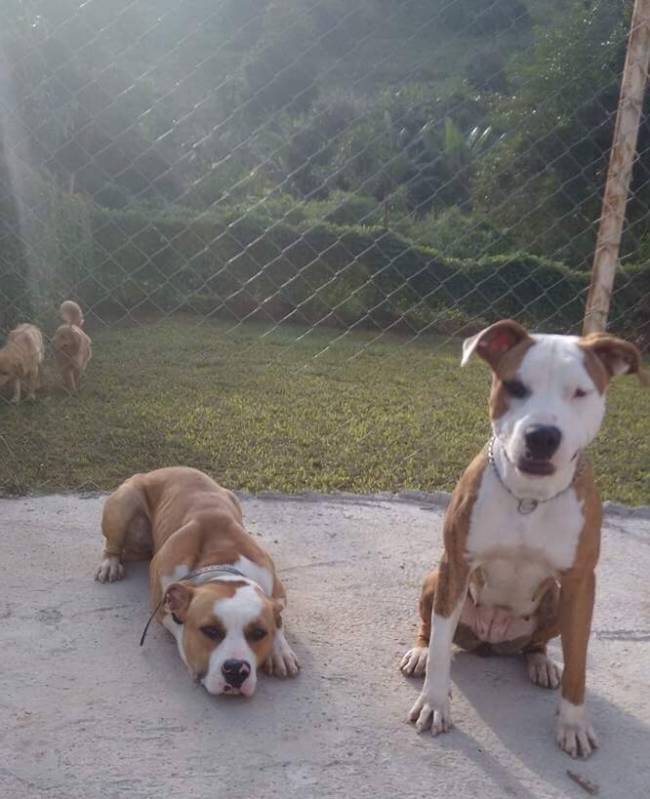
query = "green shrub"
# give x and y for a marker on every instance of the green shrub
(456, 234)
(340, 275)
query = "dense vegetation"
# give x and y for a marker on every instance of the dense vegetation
(381, 162)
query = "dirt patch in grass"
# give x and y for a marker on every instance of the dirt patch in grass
(262, 413)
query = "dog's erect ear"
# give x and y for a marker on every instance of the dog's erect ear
(619, 357)
(494, 341)
(177, 600)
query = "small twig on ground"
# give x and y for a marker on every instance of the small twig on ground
(584, 783)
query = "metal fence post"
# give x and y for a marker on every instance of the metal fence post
(621, 161)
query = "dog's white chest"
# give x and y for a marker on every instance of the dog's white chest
(516, 552)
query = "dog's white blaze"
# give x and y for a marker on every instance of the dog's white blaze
(551, 370)
(235, 613)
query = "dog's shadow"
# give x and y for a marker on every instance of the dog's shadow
(522, 717)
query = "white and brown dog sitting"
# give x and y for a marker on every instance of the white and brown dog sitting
(522, 530)
(213, 587)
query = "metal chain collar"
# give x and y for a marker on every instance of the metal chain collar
(528, 505)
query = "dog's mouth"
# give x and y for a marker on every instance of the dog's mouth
(537, 468)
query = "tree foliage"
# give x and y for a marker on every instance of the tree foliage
(475, 127)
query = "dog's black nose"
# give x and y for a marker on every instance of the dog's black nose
(542, 440)
(235, 672)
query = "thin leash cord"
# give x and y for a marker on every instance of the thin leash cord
(146, 627)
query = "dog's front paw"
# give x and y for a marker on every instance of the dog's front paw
(542, 670)
(282, 662)
(110, 570)
(431, 712)
(574, 733)
(414, 662)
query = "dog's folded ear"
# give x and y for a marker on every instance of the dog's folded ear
(494, 341)
(619, 357)
(177, 599)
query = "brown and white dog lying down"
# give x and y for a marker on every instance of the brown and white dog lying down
(522, 530)
(72, 347)
(215, 588)
(21, 359)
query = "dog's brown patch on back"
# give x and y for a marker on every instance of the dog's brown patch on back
(506, 369)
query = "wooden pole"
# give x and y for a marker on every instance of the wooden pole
(621, 161)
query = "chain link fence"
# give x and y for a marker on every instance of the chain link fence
(256, 187)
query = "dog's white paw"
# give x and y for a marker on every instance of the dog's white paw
(574, 733)
(542, 670)
(414, 662)
(110, 570)
(282, 662)
(431, 712)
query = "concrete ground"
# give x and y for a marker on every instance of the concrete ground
(86, 713)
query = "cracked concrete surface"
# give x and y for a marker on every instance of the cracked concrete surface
(85, 713)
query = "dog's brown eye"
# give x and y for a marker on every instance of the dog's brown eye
(213, 633)
(257, 633)
(579, 393)
(515, 388)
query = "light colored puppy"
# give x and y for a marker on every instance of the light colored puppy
(72, 347)
(212, 585)
(21, 359)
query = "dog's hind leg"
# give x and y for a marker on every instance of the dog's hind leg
(414, 662)
(124, 516)
(542, 670)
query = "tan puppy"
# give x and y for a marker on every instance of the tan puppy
(72, 347)
(21, 359)
(522, 530)
(215, 589)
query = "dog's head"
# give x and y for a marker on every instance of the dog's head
(11, 366)
(548, 392)
(65, 340)
(227, 632)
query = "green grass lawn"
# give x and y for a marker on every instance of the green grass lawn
(262, 413)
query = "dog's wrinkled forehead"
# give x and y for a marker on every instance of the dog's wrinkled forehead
(551, 361)
(245, 606)
(231, 603)
(507, 346)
